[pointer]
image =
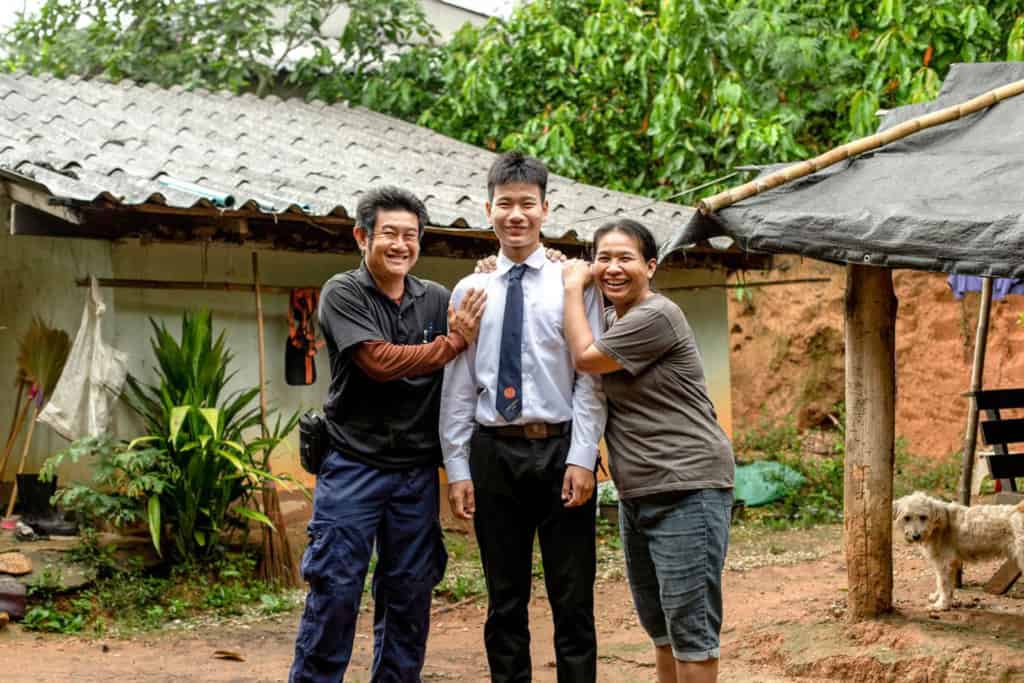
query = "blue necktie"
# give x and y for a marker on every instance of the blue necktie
(510, 360)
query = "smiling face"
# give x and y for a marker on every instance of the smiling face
(620, 270)
(391, 251)
(517, 211)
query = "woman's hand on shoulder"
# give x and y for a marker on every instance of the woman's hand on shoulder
(576, 273)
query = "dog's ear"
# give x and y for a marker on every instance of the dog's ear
(895, 510)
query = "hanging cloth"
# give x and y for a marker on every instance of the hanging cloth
(299, 352)
(1001, 286)
(92, 378)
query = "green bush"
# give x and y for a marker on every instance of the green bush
(820, 499)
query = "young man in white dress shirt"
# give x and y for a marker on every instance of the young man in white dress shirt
(519, 433)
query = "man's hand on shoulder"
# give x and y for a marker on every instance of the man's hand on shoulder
(490, 263)
(577, 486)
(461, 499)
(466, 320)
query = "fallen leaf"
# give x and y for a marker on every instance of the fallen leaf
(228, 654)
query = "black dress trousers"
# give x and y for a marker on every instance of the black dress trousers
(518, 486)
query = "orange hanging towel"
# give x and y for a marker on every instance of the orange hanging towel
(300, 352)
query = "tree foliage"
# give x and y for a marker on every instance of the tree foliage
(640, 95)
(236, 45)
(653, 97)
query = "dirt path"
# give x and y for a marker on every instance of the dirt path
(783, 622)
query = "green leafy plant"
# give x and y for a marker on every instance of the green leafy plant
(196, 474)
(217, 470)
(47, 617)
(124, 479)
(771, 439)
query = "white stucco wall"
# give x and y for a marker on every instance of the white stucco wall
(708, 314)
(37, 278)
(37, 274)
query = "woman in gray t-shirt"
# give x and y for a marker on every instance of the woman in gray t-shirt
(671, 462)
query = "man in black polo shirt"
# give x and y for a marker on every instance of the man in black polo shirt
(388, 336)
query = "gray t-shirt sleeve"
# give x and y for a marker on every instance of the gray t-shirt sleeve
(638, 338)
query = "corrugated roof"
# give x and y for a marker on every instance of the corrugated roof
(92, 139)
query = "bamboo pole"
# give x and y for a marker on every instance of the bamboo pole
(21, 412)
(21, 463)
(277, 565)
(16, 413)
(186, 284)
(870, 333)
(255, 287)
(722, 200)
(977, 376)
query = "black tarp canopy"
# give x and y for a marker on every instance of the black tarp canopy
(949, 199)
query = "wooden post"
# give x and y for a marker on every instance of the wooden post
(977, 377)
(259, 341)
(870, 438)
(277, 565)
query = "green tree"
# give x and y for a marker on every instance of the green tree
(237, 45)
(653, 97)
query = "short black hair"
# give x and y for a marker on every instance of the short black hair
(389, 198)
(516, 167)
(638, 231)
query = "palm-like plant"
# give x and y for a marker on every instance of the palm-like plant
(192, 373)
(217, 470)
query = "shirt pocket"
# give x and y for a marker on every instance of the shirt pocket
(545, 321)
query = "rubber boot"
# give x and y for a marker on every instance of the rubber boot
(36, 510)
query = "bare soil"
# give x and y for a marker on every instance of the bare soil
(784, 594)
(787, 352)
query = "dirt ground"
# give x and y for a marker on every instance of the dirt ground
(784, 594)
(787, 352)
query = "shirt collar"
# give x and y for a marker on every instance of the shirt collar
(536, 260)
(413, 286)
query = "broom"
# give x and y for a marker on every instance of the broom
(42, 353)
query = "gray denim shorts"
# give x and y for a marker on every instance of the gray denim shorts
(675, 546)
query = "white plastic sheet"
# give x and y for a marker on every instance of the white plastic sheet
(92, 379)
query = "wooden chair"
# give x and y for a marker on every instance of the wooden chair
(1004, 464)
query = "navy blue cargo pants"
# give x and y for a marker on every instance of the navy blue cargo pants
(354, 506)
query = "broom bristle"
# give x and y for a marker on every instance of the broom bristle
(277, 565)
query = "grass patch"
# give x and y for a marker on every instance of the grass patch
(464, 577)
(126, 602)
(820, 499)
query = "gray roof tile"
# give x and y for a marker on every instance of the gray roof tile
(84, 139)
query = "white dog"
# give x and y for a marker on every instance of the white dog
(950, 534)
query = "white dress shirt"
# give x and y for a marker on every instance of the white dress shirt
(552, 390)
